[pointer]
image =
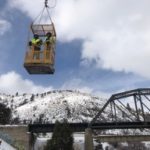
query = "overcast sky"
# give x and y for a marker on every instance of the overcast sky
(103, 47)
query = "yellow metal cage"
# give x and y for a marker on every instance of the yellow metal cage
(41, 61)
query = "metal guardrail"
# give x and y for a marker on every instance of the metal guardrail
(122, 138)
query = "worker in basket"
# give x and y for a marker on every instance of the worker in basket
(36, 43)
(50, 41)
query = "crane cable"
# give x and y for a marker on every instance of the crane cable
(47, 9)
(39, 16)
(46, 4)
(46, 1)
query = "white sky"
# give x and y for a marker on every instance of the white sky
(12, 82)
(4, 26)
(115, 33)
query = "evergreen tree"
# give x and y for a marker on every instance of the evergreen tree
(5, 114)
(62, 138)
(128, 107)
(67, 138)
(32, 98)
(16, 93)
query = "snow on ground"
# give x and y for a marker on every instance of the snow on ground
(78, 141)
(5, 146)
(147, 144)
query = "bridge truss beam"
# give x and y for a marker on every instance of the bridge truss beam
(139, 98)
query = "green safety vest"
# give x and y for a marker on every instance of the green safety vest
(51, 40)
(35, 41)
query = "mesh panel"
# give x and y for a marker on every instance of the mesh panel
(41, 30)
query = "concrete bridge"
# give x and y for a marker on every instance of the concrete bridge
(17, 133)
(22, 136)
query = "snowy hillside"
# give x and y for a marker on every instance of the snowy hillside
(53, 105)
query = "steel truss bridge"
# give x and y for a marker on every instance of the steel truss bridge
(137, 116)
(126, 110)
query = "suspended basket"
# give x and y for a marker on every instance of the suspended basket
(41, 61)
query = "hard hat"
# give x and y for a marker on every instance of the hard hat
(48, 34)
(36, 36)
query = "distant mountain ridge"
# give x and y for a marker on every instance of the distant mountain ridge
(53, 105)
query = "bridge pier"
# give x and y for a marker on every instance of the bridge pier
(17, 133)
(30, 140)
(88, 140)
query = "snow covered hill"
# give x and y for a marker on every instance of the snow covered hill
(51, 106)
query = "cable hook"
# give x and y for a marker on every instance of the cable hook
(46, 3)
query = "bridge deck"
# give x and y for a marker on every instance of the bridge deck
(80, 127)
